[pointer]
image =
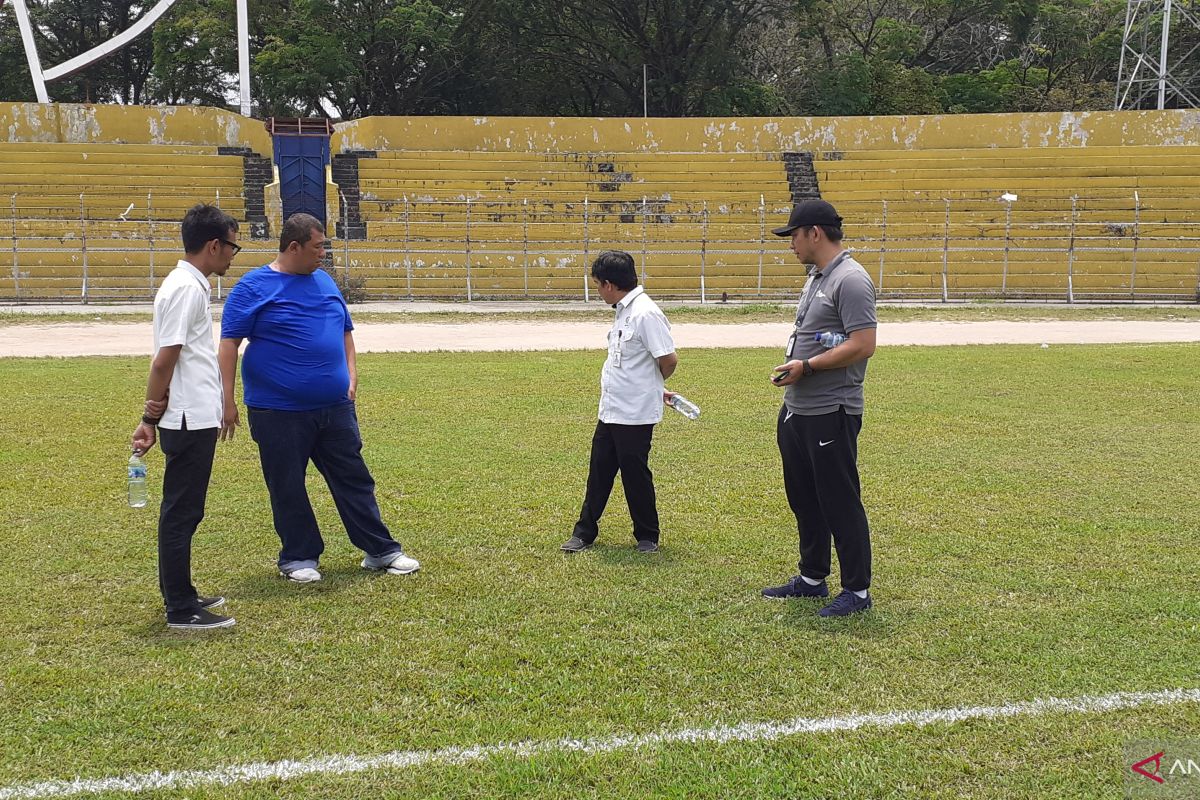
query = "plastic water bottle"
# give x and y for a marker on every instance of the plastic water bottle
(685, 407)
(137, 480)
(829, 339)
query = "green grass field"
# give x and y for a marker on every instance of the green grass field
(1034, 518)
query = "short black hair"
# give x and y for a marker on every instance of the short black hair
(203, 223)
(832, 233)
(299, 228)
(616, 267)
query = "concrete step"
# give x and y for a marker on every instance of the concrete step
(774, 197)
(109, 147)
(119, 163)
(432, 179)
(112, 183)
(988, 153)
(1181, 183)
(577, 158)
(1024, 175)
(686, 170)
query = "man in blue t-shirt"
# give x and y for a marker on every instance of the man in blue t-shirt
(299, 382)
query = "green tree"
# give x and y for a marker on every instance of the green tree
(360, 57)
(195, 53)
(854, 85)
(15, 83)
(353, 58)
(589, 58)
(67, 28)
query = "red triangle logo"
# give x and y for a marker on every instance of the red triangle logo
(1154, 776)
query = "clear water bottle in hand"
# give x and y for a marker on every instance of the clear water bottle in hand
(137, 480)
(685, 407)
(829, 339)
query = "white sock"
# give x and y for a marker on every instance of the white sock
(810, 581)
(860, 595)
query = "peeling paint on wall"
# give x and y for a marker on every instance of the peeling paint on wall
(113, 124)
(767, 135)
(78, 123)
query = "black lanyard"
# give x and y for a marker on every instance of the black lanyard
(810, 288)
(806, 299)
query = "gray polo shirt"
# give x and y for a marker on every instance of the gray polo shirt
(839, 298)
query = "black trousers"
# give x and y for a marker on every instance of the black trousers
(624, 448)
(820, 473)
(189, 456)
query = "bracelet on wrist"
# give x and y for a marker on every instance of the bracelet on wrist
(147, 419)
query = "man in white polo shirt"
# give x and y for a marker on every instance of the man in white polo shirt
(184, 400)
(641, 356)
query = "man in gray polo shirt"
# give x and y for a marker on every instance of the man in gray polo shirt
(822, 412)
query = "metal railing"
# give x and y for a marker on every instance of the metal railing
(914, 247)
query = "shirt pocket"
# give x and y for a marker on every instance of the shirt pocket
(631, 341)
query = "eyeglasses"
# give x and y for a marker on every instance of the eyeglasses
(237, 248)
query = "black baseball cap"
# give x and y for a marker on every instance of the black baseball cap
(810, 212)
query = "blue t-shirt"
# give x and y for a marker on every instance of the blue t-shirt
(296, 324)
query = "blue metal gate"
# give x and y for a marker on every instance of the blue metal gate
(301, 153)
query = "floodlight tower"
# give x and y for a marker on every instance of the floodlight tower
(1150, 74)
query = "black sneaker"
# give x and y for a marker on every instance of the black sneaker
(845, 604)
(574, 545)
(797, 587)
(647, 546)
(198, 620)
(211, 602)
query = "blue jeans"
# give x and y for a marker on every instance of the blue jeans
(329, 437)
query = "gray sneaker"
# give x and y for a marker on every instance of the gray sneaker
(647, 546)
(574, 545)
(393, 563)
(302, 575)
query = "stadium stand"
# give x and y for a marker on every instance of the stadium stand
(534, 219)
(1101, 205)
(92, 209)
(1124, 196)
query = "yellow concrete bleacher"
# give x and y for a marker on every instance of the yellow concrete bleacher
(137, 168)
(68, 206)
(897, 200)
(522, 205)
(535, 218)
(527, 179)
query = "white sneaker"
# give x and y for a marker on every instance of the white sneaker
(305, 575)
(400, 565)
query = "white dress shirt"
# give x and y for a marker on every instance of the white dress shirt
(631, 385)
(182, 317)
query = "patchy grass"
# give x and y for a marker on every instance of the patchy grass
(1034, 523)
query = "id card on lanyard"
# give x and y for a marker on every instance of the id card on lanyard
(807, 296)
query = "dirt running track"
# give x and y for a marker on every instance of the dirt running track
(109, 339)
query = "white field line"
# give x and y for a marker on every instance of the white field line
(745, 732)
